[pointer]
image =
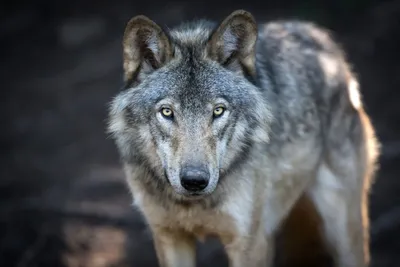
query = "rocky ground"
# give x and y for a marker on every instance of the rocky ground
(63, 198)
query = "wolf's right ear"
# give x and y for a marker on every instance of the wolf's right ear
(232, 44)
(146, 48)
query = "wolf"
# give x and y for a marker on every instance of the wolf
(222, 126)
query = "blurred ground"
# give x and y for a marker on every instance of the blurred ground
(63, 197)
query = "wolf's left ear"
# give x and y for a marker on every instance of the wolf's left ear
(146, 48)
(232, 44)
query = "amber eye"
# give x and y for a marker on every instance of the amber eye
(218, 111)
(167, 113)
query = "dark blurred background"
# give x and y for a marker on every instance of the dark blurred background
(63, 197)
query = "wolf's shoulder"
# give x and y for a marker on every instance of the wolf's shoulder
(306, 68)
(301, 57)
(298, 35)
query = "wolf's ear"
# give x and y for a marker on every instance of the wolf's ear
(146, 48)
(232, 44)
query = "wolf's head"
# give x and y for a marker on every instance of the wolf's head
(190, 112)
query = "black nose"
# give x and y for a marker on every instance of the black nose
(194, 178)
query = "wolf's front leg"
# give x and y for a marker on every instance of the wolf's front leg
(174, 249)
(254, 250)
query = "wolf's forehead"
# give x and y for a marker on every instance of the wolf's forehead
(196, 36)
(195, 92)
(198, 84)
(185, 79)
(196, 32)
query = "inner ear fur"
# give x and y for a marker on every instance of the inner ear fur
(146, 47)
(233, 42)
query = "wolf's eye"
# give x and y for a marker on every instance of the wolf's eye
(167, 113)
(218, 111)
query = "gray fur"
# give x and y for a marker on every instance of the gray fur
(293, 125)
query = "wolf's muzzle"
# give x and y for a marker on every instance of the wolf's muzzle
(194, 178)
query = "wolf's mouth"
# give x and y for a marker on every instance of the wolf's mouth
(194, 194)
(193, 197)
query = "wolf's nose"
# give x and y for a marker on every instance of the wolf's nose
(194, 178)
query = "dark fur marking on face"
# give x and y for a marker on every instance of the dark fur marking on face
(242, 157)
(166, 176)
(175, 144)
(156, 184)
(251, 120)
(212, 143)
(231, 122)
(130, 119)
(232, 128)
(160, 131)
